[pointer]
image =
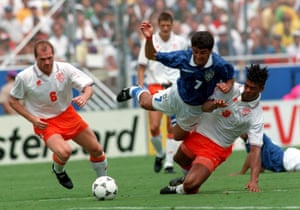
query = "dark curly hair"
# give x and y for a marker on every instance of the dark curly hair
(257, 74)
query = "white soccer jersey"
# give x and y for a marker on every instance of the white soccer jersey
(225, 125)
(47, 96)
(157, 73)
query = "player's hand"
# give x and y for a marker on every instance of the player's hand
(220, 103)
(147, 29)
(79, 101)
(252, 187)
(223, 87)
(39, 123)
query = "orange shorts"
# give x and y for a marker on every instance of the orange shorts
(154, 88)
(204, 151)
(68, 124)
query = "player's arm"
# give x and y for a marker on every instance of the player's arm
(150, 50)
(7, 108)
(86, 94)
(20, 109)
(212, 104)
(147, 30)
(245, 166)
(255, 165)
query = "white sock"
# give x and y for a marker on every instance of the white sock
(156, 142)
(171, 148)
(100, 168)
(58, 168)
(179, 189)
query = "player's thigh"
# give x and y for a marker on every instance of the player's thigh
(155, 118)
(87, 139)
(182, 159)
(179, 133)
(196, 176)
(166, 101)
(145, 101)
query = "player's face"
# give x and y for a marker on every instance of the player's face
(44, 60)
(165, 28)
(251, 91)
(200, 56)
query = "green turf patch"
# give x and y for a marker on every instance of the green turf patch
(34, 186)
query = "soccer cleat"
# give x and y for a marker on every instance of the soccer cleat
(176, 181)
(168, 190)
(124, 95)
(169, 170)
(158, 163)
(63, 179)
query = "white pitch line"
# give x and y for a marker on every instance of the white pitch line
(186, 207)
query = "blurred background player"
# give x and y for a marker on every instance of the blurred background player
(158, 77)
(5, 90)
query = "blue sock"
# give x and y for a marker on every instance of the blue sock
(135, 91)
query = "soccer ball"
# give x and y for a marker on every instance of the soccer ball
(105, 188)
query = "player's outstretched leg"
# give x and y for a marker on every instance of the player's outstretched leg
(128, 93)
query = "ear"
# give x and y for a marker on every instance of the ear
(262, 87)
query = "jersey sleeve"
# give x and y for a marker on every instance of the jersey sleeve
(79, 78)
(171, 59)
(18, 89)
(228, 72)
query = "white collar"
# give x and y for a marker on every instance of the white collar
(208, 63)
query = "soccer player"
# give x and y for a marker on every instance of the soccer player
(201, 70)
(203, 150)
(273, 157)
(46, 89)
(158, 77)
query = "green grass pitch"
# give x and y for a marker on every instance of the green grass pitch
(34, 187)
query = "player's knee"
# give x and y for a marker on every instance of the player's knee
(154, 129)
(65, 154)
(146, 102)
(96, 151)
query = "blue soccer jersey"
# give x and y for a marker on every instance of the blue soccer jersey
(271, 155)
(195, 83)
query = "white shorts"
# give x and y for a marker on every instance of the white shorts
(291, 159)
(169, 102)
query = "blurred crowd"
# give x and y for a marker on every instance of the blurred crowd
(88, 31)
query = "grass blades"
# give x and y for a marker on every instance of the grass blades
(34, 186)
